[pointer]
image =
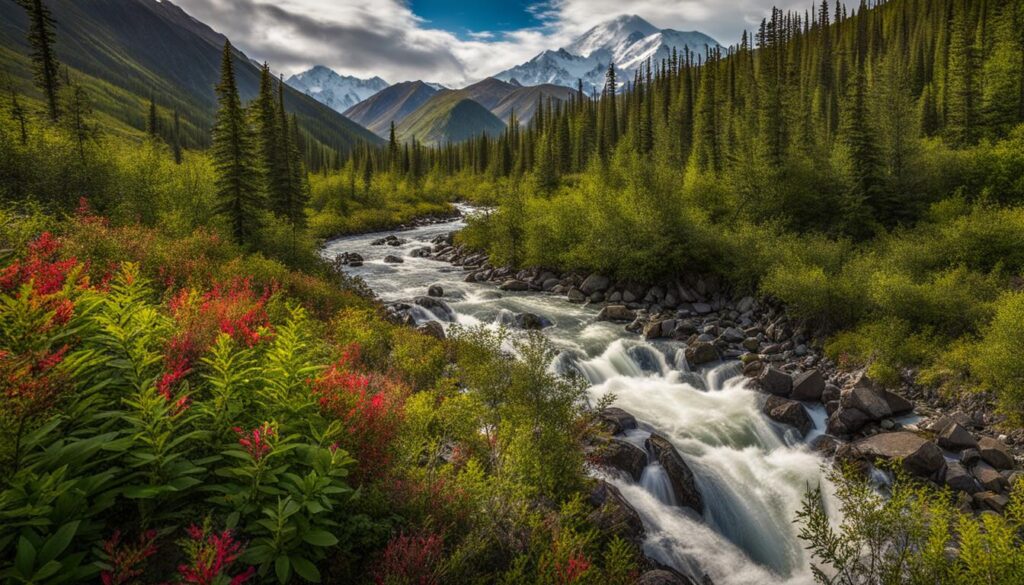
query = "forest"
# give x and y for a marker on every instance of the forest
(191, 393)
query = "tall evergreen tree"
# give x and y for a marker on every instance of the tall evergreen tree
(176, 139)
(45, 68)
(238, 192)
(152, 121)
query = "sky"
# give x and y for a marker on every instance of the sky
(454, 42)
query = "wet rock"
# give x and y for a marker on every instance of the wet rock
(920, 456)
(653, 330)
(576, 296)
(435, 290)
(753, 369)
(439, 308)
(616, 313)
(701, 353)
(392, 259)
(750, 344)
(958, 478)
(433, 329)
(624, 456)
(514, 286)
(832, 392)
(775, 381)
(989, 478)
(616, 420)
(595, 283)
(995, 453)
(613, 516)
(662, 577)
(733, 335)
(788, 412)
(808, 386)
(532, 322)
(701, 308)
(956, 438)
(970, 456)
(684, 486)
(866, 396)
(825, 445)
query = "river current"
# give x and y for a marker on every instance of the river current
(751, 471)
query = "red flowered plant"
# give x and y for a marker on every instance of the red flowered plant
(212, 557)
(410, 560)
(41, 267)
(572, 570)
(257, 442)
(124, 562)
(369, 409)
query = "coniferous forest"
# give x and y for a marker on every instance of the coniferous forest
(759, 314)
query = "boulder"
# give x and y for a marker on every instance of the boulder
(392, 259)
(595, 283)
(514, 285)
(662, 577)
(617, 421)
(989, 478)
(920, 456)
(958, 478)
(624, 456)
(995, 453)
(775, 381)
(700, 353)
(808, 386)
(750, 344)
(576, 296)
(684, 486)
(616, 313)
(702, 308)
(733, 335)
(788, 412)
(433, 329)
(872, 400)
(991, 501)
(653, 330)
(613, 516)
(532, 322)
(435, 290)
(439, 308)
(846, 421)
(956, 438)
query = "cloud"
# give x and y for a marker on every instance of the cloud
(385, 38)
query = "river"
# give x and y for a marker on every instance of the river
(751, 471)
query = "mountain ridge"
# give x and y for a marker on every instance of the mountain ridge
(339, 92)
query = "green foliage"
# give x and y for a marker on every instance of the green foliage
(995, 359)
(914, 533)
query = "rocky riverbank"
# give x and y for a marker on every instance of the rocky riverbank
(867, 423)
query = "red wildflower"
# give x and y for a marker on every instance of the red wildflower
(257, 441)
(211, 555)
(572, 570)
(125, 560)
(410, 559)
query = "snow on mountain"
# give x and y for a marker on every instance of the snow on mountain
(626, 41)
(339, 92)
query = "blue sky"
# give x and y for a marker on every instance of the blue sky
(463, 17)
(455, 42)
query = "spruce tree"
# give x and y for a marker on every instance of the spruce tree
(19, 115)
(176, 139)
(77, 108)
(152, 121)
(270, 133)
(45, 68)
(238, 193)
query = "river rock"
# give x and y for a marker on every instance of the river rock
(702, 308)
(392, 259)
(435, 290)
(575, 295)
(617, 421)
(613, 516)
(439, 308)
(514, 286)
(662, 577)
(958, 478)
(624, 456)
(684, 486)
(616, 313)
(989, 478)
(701, 353)
(788, 412)
(995, 453)
(878, 403)
(733, 335)
(775, 381)
(845, 421)
(532, 322)
(920, 456)
(808, 386)
(595, 283)
(991, 501)
(433, 329)
(956, 438)
(653, 330)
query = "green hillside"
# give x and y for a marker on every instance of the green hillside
(125, 51)
(392, 104)
(449, 117)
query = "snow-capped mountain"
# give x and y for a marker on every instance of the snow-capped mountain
(339, 92)
(626, 41)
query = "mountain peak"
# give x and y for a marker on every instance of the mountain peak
(609, 34)
(340, 92)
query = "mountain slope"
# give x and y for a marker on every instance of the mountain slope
(339, 92)
(448, 116)
(523, 101)
(144, 48)
(626, 41)
(391, 104)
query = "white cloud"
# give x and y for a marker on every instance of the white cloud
(385, 38)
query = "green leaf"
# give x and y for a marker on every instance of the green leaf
(320, 538)
(232, 520)
(58, 543)
(46, 571)
(283, 568)
(25, 558)
(306, 569)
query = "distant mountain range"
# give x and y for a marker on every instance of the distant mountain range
(339, 92)
(125, 51)
(626, 41)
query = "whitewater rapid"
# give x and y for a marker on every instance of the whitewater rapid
(751, 471)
